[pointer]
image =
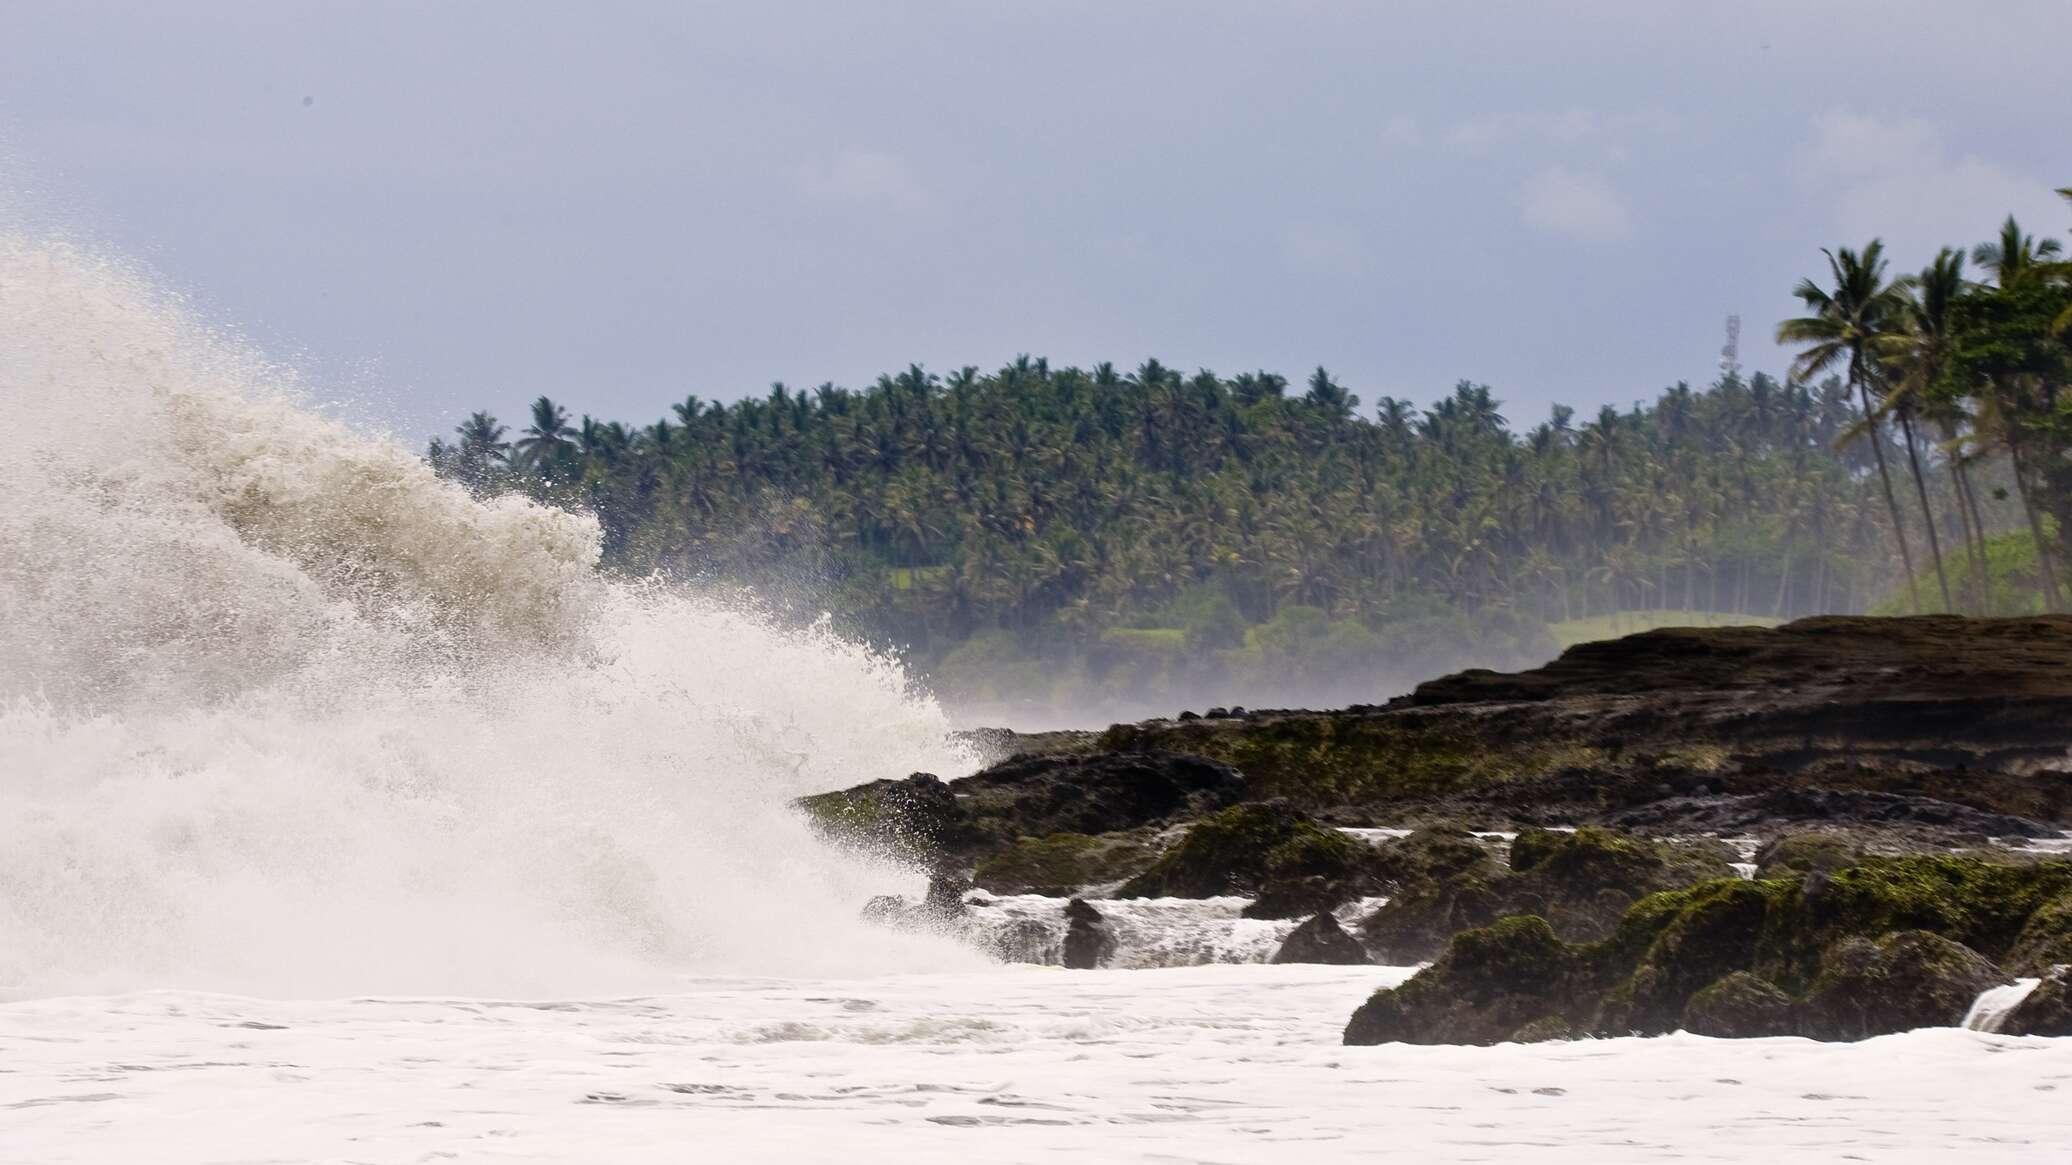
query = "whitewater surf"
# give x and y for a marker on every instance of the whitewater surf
(282, 712)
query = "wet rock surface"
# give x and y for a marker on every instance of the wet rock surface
(2047, 1011)
(1855, 757)
(1089, 942)
(1580, 882)
(1321, 940)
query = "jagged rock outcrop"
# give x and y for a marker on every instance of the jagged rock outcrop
(1490, 984)
(963, 821)
(1063, 864)
(1269, 849)
(1896, 983)
(1089, 943)
(1885, 945)
(1582, 883)
(1321, 940)
(2047, 1011)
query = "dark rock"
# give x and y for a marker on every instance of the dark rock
(1931, 819)
(1490, 984)
(1188, 716)
(1903, 981)
(1026, 940)
(1033, 796)
(1581, 882)
(1805, 853)
(1061, 865)
(941, 907)
(2045, 940)
(1296, 898)
(1672, 945)
(1546, 1029)
(1740, 1006)
(1268, 849)
(917, 818)
(2047, 1011)
(1216, 714)
(1320, 940)
(1088, 941)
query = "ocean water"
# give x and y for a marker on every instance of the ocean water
(347, 817)
(1221, 1063)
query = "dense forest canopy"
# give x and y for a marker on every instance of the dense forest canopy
(1039, 533)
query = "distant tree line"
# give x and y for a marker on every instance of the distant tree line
(1043, 513)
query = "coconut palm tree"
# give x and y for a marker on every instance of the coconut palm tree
(1914, 356)
(547, 438)
(1844, 326)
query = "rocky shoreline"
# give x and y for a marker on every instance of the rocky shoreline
(1835, 828)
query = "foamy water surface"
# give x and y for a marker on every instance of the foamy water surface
(1214, 1064)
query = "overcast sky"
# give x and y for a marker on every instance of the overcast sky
(438, 207)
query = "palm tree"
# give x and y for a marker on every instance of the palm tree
(1915, 354)
(2014, 256)
(547, 437)
(1844, 325)
(482, 437)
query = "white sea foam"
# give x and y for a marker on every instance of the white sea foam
(1220, 1063)
(282, 712)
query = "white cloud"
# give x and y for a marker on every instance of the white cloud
(1576, 203)
(867, 176)
(1896, 179)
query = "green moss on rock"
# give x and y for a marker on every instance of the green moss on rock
(1902, 981)
(1805, 853)
(1739, 1006)
(1581, 882)
(1491, 983)
(2045, 940)
(1256, 849)
(1062, 864)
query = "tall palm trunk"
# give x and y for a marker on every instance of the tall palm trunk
(1942, 580)
(1978, 529)
(2043, 565)
(1974, 536)
(1899, 530)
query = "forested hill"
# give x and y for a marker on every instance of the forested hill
(1016, 528)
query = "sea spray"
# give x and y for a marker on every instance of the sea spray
(283, 713)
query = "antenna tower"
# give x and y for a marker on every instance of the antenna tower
(1730, 354)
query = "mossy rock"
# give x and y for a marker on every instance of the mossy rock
(1434, 853)
(1256, 849)
(1740, 1006)
(1063, 864)
(1980, 902)
(1897, 983)
(1581, 882)
(1676, 944)
(1492, 983)
(2045, 940)
(1797, 854)
(1546, 1029)
(917, 818)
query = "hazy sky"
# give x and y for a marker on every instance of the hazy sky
(436, 207)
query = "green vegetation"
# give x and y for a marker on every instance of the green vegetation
(2012, 583)
(1040, 533)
